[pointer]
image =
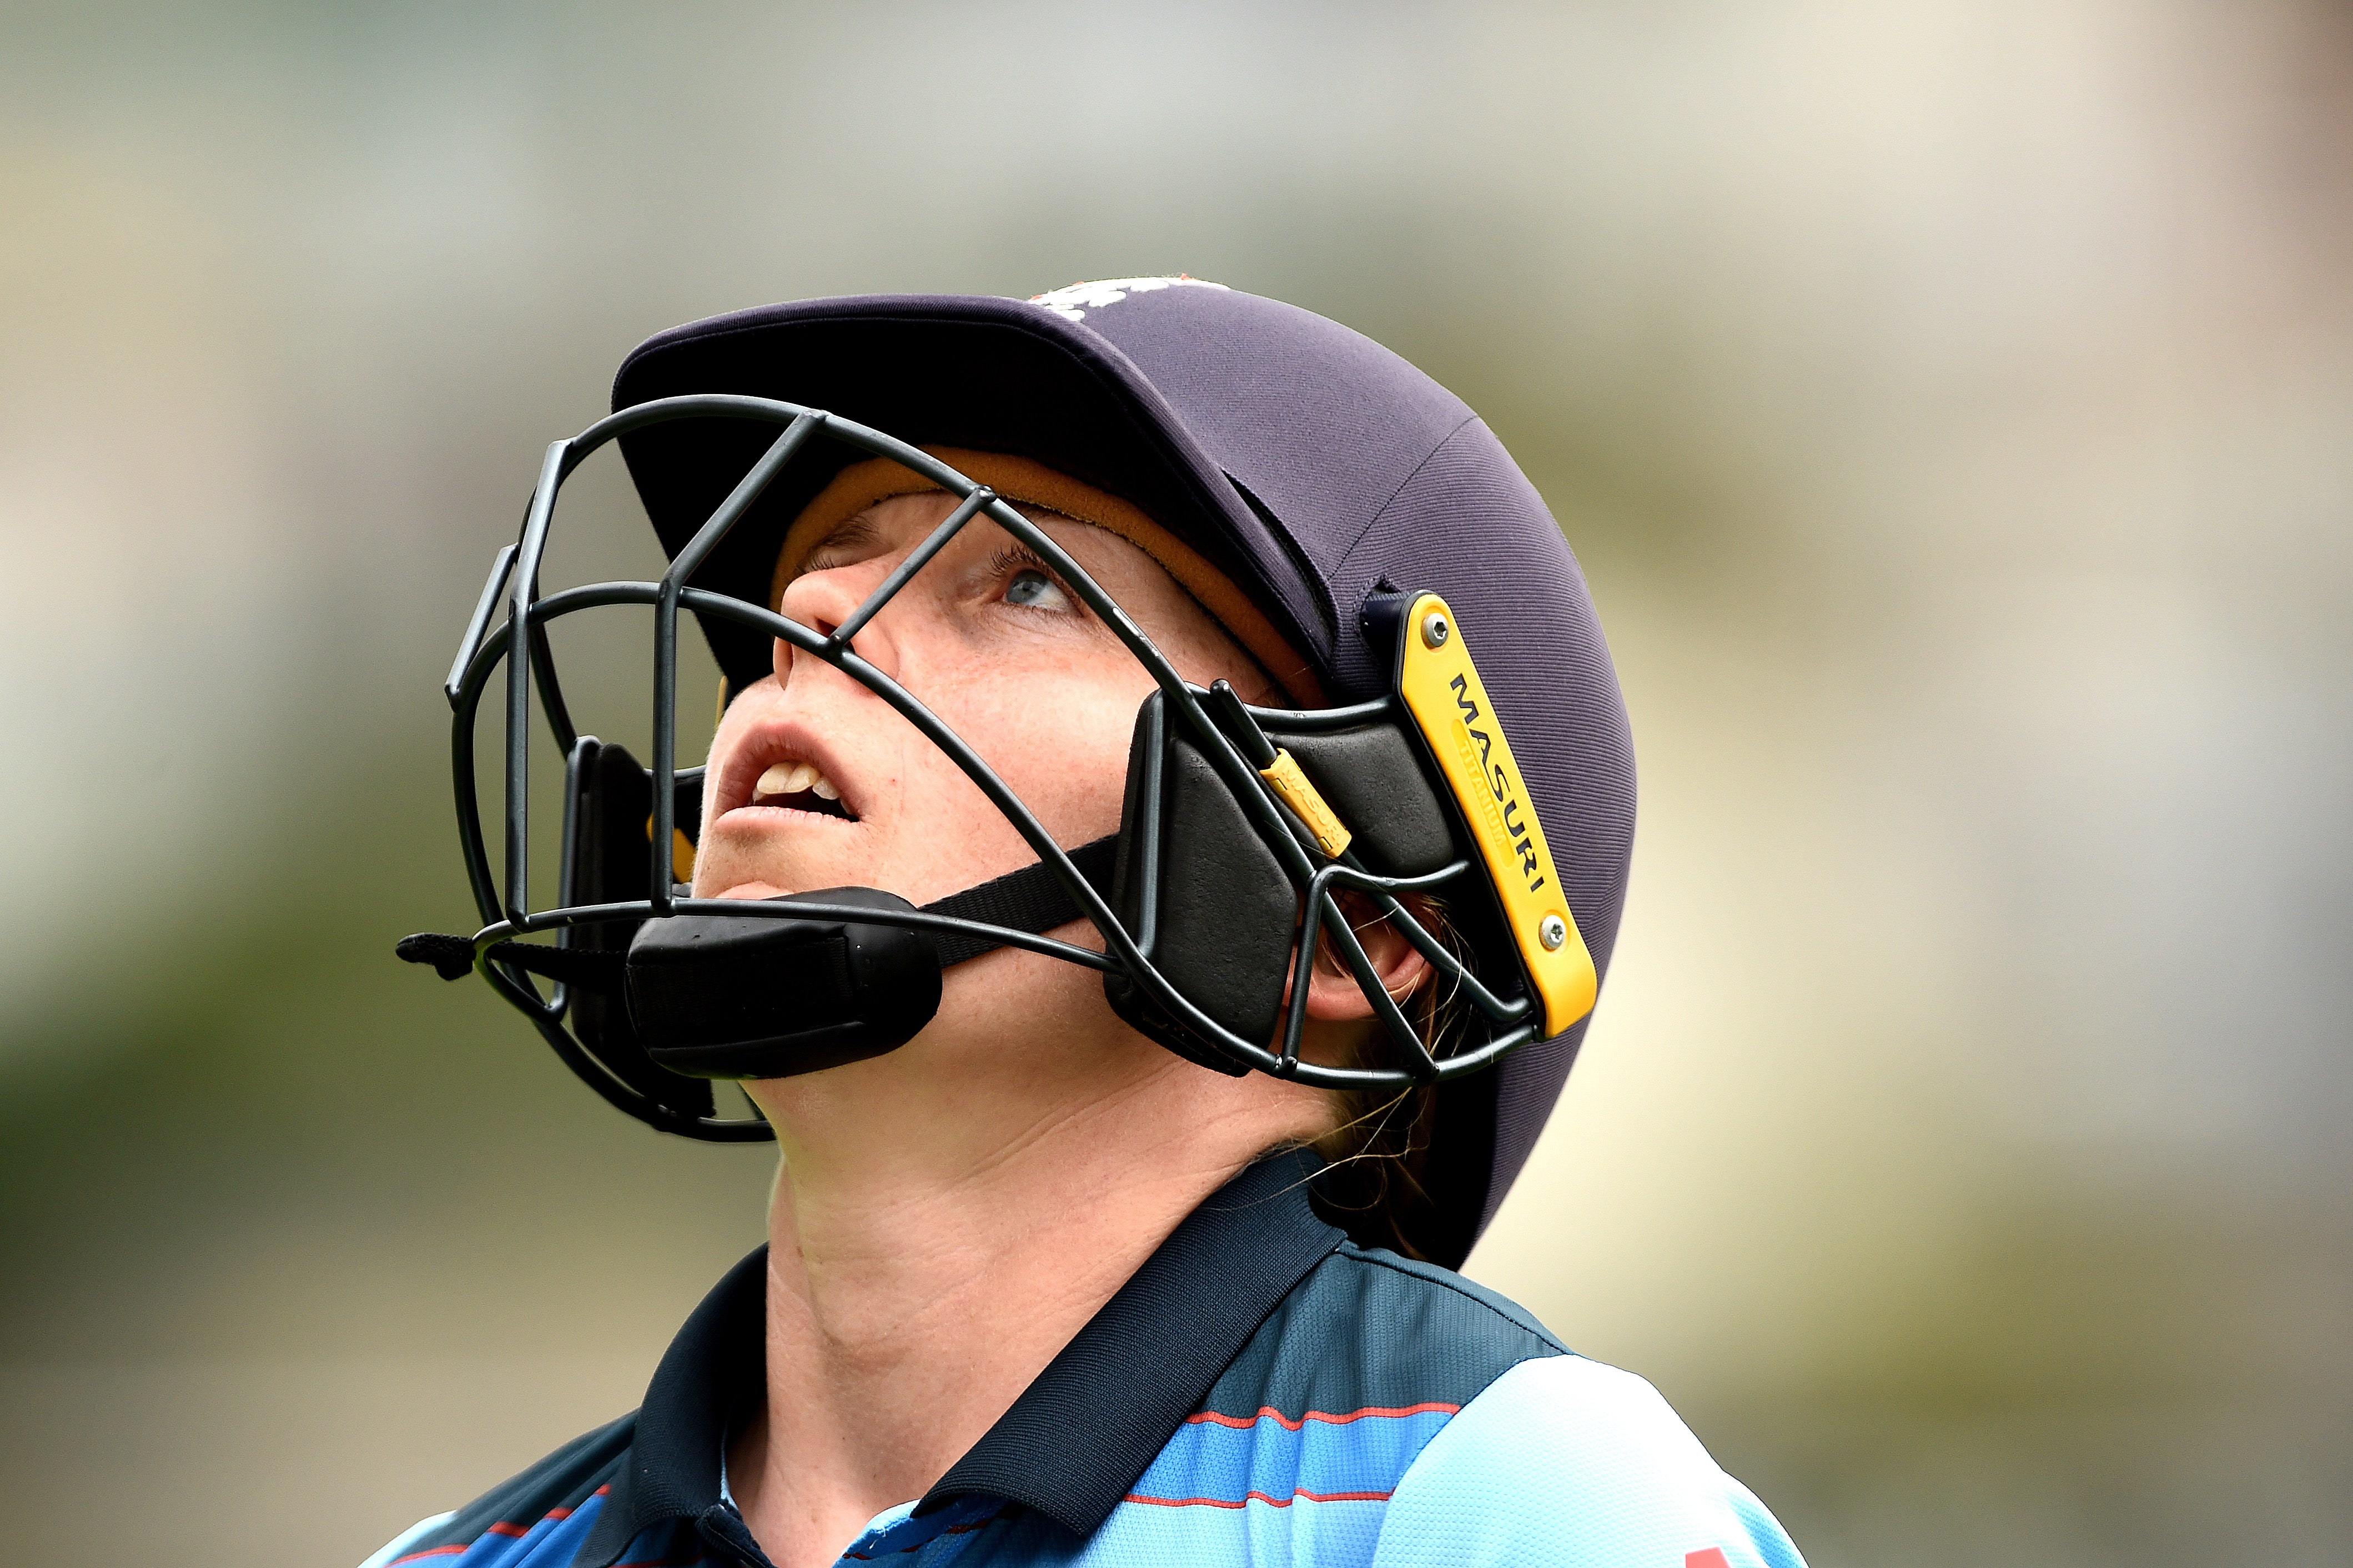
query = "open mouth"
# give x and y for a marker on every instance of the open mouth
(800, 786)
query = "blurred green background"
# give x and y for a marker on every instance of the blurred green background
(1949, 403)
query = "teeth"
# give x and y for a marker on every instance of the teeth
(786, 778)
(825, 790)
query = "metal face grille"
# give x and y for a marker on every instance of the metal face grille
(1223, 730)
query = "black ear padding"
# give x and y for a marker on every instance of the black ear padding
(1220, 926)
(1372, 777)
(1224, 914)
(1380, 782)
(607, 859)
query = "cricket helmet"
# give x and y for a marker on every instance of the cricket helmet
(1454, 728)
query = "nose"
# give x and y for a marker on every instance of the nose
(823, 600)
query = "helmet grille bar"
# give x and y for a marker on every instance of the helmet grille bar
(524, 586)
(501, 564)
(681, 567)
(917, 559)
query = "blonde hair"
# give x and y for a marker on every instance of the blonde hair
(1377, 1156)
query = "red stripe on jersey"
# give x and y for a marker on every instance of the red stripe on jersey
(1258, 1496)
(1269, 1413)
(508, 1529)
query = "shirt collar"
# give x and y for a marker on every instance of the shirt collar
(1122, 1385)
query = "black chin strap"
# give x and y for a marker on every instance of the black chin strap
(1029, 900)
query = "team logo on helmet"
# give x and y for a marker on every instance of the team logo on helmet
(1073, 302)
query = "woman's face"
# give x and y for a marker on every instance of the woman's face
(816, 783)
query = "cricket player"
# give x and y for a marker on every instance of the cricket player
(1164, 836)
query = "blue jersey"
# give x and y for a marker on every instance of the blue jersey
(1263, 1392)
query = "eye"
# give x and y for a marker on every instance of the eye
(1032, 589)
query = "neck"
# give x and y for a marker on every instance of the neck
(928, 1255)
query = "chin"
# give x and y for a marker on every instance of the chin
(778, 873)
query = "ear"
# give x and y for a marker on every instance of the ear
(1332, 994)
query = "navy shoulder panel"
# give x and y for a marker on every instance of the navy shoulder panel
(553, 1490)
(1371, 1331)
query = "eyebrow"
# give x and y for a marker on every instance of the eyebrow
(847, 534)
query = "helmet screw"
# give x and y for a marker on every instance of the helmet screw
(1434, 629)
(1552, 930)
